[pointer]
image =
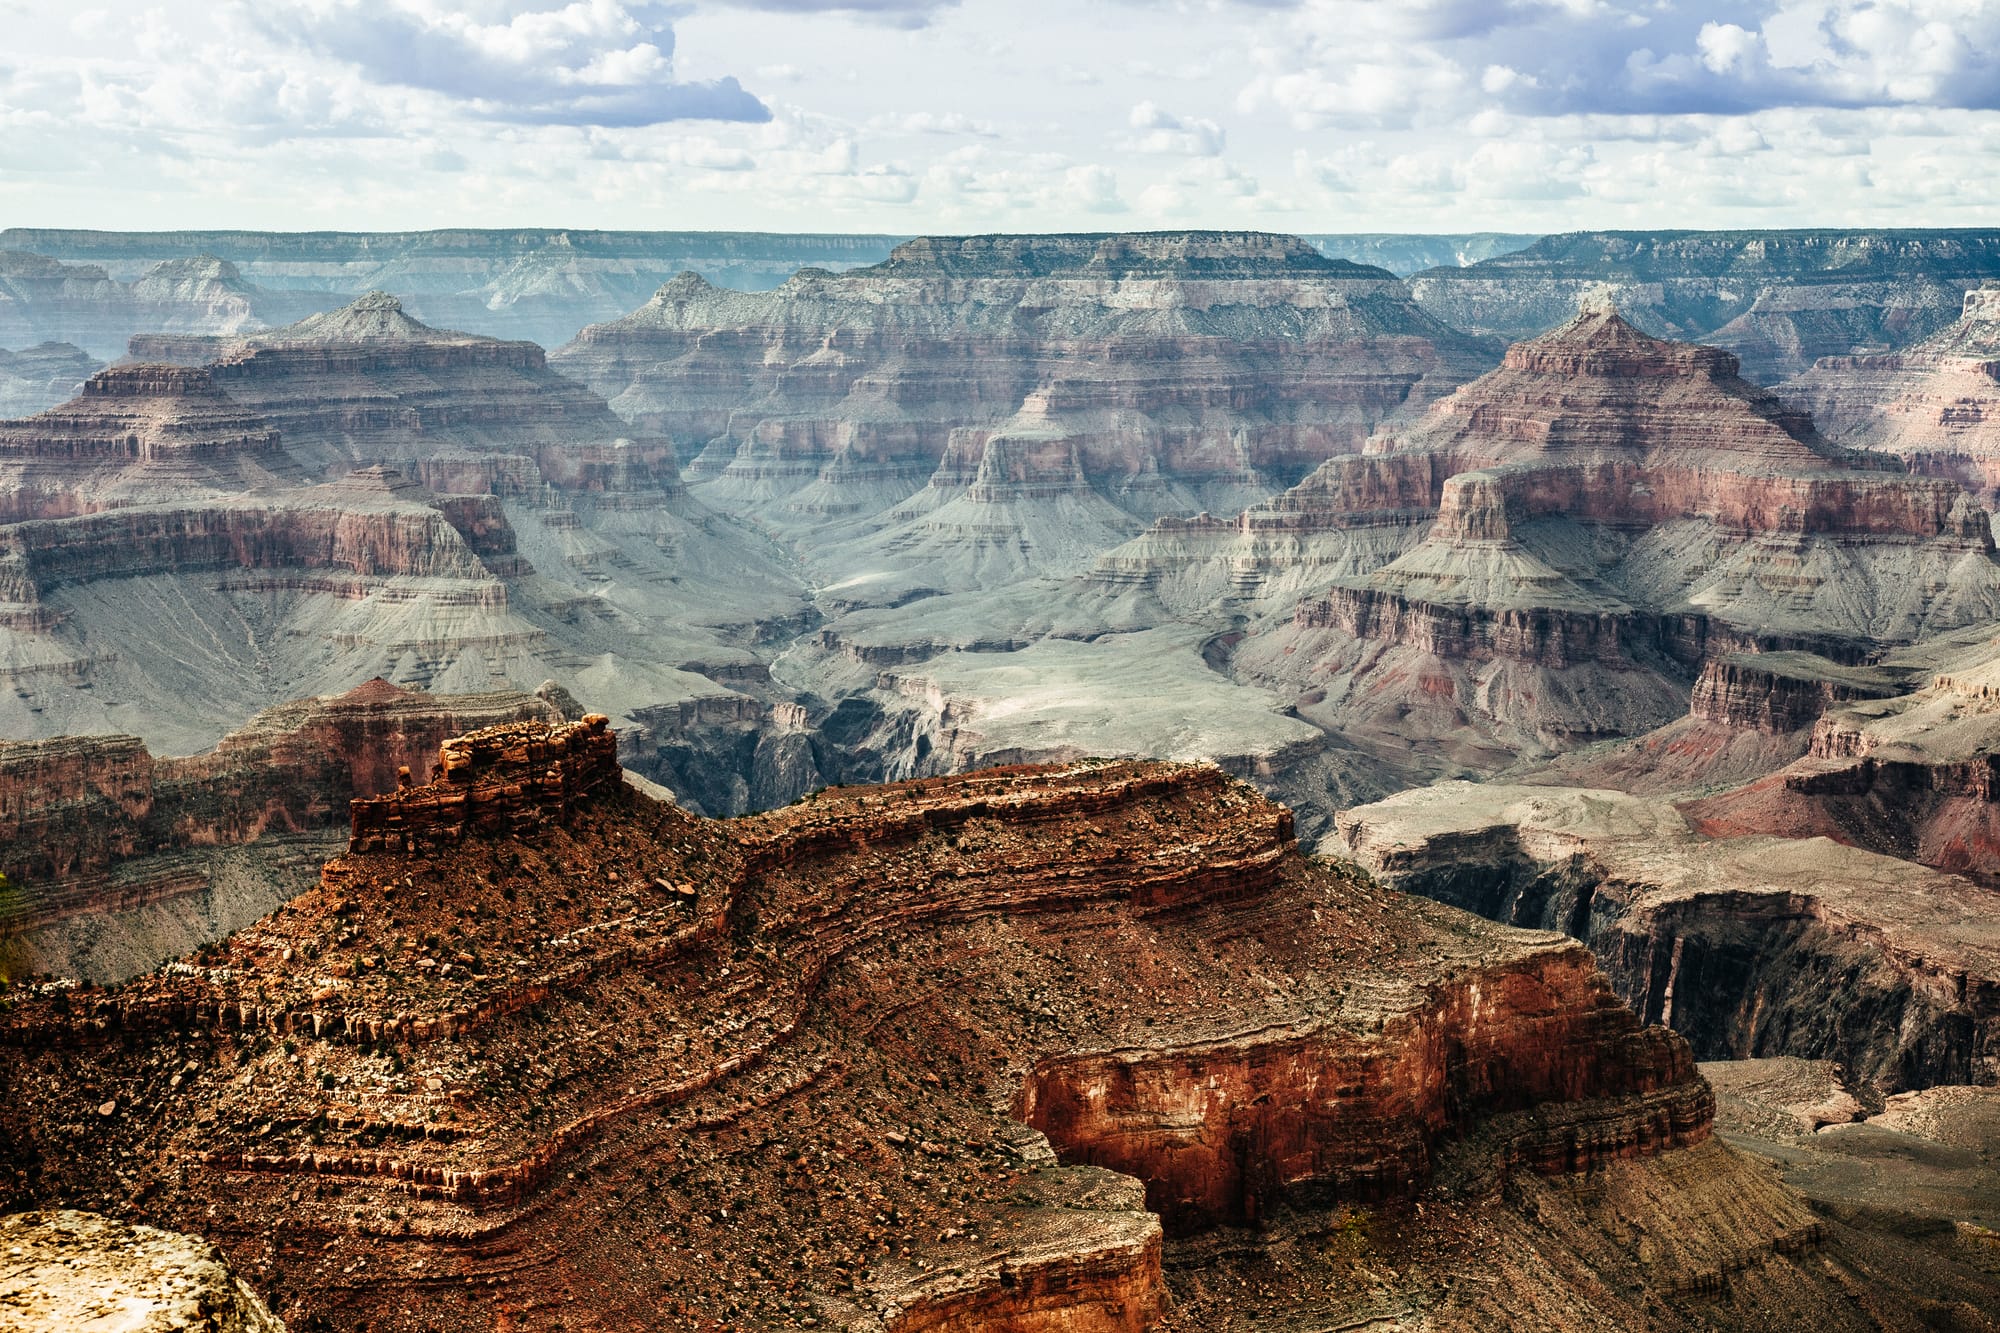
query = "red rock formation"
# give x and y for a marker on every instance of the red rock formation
(1604, 512)
(697, 1074)
(136, 433)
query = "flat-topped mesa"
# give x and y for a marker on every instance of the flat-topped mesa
(1117, 255)
(506, 779)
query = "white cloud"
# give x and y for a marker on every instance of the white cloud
(1157, 130)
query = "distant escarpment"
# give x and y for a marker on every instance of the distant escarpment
(539, 283)
(41, 376)
(533, 1007)
(1555, 553)
(45, 300)
(103, 839)
(1778, 299)
(1182, 368)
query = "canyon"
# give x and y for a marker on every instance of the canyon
(1266, 793)
(1020, 1049)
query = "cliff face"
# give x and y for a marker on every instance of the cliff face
(369, 385)
(1910, 776)
(1179, 366)
(1746, 945)
(135, 433)
(1779, 300)
(1935, 404)
(802, 1034)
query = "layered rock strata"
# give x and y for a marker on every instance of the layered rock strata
(1935, 404)
(45, 300)
(1777, 299)
(805, 1034)
(1914, 775)
(1552, 554)
(1748, 946)
(369, 385)
(1179, 367)
(41, 376)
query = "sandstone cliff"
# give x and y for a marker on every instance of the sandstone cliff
(110, 853)
(43, 299)
(1178, 365)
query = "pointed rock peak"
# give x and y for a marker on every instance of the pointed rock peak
(1600, 341)
(375, 691)
(682, 286)
(377, 317)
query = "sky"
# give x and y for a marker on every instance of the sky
(908, 116)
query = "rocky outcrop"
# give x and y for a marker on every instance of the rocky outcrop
(1935, 405)
(809, 1025)
(1778, 300)
(95, 826)
(1912, 776)
(1781, 692)
(135, 433)
(1177, 365)
(41, 376)
(66, 1269)
(1747, 946)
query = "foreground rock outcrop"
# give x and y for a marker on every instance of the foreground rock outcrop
(115, 859)
(65, 1269)
(812, 1034)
